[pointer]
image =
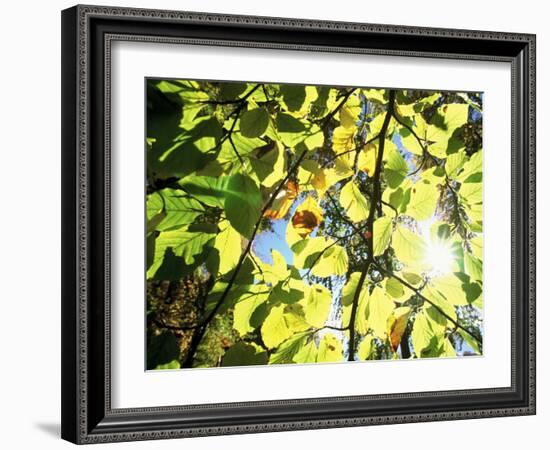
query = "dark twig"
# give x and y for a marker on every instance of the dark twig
(370, 221)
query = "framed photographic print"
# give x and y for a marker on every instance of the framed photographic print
(281, 224)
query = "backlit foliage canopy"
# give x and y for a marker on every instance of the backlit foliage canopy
(300, 224)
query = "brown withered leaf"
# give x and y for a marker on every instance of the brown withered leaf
(397, 323)
(307, 217)
(283, 201)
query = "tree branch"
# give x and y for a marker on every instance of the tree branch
(370, 222)
(330, 327)
(325, 120)
(241, 102)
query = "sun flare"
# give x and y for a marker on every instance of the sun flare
(440, 257)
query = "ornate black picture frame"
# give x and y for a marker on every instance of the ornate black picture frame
(87, 35)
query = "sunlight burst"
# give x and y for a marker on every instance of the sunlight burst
(439, 256)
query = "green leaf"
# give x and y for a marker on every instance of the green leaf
(317, 305)
(285, 292)
(437, 134)
(179, 243)
(228, 159)
(472, 193)
(348, 291)
(270, 165)
(423, 201)
(208, 190)
(293, 131)
(397, 290)
(186, 151)
(163, 351)
(228, 243)
(254, 122)
(245, 307)
(274, 329)
(293, 96)
(440, 302)
(174, 364)
(289, 349)
(179, 209)
(425, 339)
(450, 286)
(243, 204)
(273, 273)
(237, 293)
(307, 354)
(454, 163)
(476, 243)
(244, 354)
(321, 255)
(382, 231)
(295, 317)
(354, 203)
(281, 323)
(412, 278)
(334, 261)
(183, 91)
(409, 247)
(379, 309)
(396, 168)
(307, 251)
(290, 129)
(473, 267)
(472, 167)
(348, 294)
(367, 348)
(232, 91)
(330, 349)
(376, 96)
(155, 211)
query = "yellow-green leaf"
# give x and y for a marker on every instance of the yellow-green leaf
(472, 193)
(317, 305)
(333, 261)
(244, 354)
(409, 247)
(382, 231)
(288, 349)
(330, 349)
(245, 307)
(274, 329)
(450, 286)
(354, 202)
(379, 309)
(228, 243)
(307, 354)
(243, 203)
(395, 167)
(423, 201)
(367, 348)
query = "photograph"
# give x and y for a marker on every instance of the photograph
(301, 224)
(298, 221)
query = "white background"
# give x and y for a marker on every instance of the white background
(132, 387)
(30, 233)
